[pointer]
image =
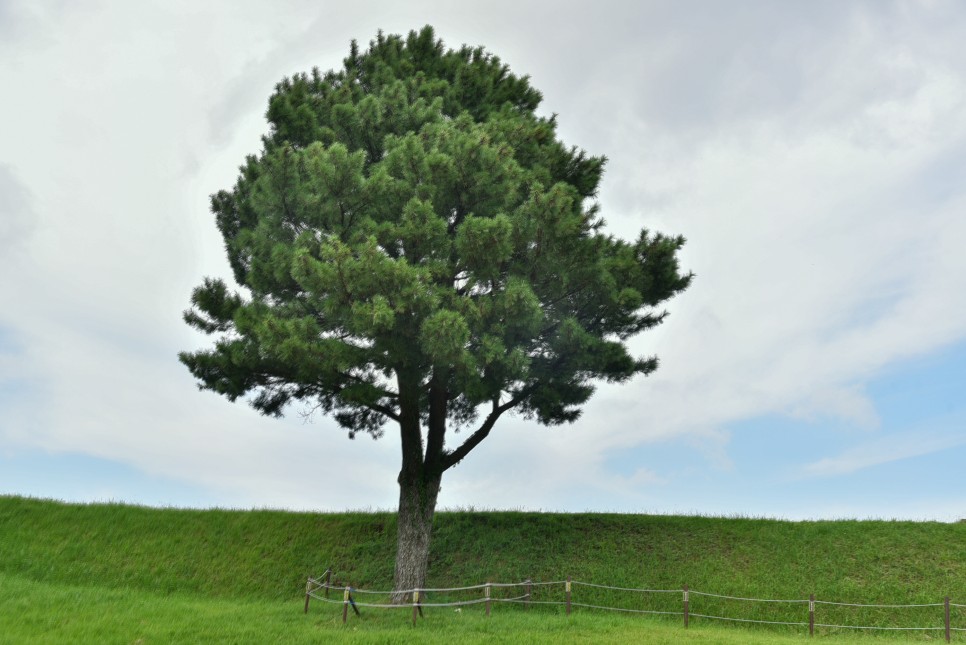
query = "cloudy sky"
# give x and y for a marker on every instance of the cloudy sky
(813, 153)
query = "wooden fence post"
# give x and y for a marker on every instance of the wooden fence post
(345, 605)
(416, 608)
(328, 579)
(486, 592)
(946, 612)
(526, 603)
(308, 590)
(811, 614)
(686, 607)
(568, 595)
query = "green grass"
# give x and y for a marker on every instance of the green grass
(35, 612)
(116, 573)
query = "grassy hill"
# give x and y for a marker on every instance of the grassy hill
(265, 556)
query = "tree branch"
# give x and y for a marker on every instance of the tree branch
(383, 410)
(389, 394)
(375, 407)
(455, 456)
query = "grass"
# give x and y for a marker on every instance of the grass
(116, 573)
(35, 612)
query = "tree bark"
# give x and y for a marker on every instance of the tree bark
(417, 505)
(418, 491)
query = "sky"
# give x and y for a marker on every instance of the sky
(812, 153)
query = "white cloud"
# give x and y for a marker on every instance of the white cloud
(812, 155)
(17, 218)
(817, 264)
(883, 450)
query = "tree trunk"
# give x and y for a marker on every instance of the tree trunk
(417, 505)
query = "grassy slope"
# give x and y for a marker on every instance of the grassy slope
(264, 556)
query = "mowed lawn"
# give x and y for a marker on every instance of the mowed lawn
(35, 612)
(125, 574)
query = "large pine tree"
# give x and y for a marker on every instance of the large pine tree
(416, 248)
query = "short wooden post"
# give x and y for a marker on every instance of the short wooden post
(946, 604)
(308, 590)
(568, 595)
(526, 603)
(811, 614)
(686, 607)
(486, 591)
(328, 579)
(416, 608)
(345, 605)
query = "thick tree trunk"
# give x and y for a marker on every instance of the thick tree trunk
(419, 480)
(417, 505)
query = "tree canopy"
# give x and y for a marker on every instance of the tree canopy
(415, 245)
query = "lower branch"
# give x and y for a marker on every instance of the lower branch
(455, 456)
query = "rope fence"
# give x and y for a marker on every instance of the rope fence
(661, 602)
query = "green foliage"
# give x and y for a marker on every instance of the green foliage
(411, 217)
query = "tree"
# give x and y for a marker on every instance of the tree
(416, 248)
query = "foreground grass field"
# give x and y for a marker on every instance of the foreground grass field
(36, 612)
(114, 573)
